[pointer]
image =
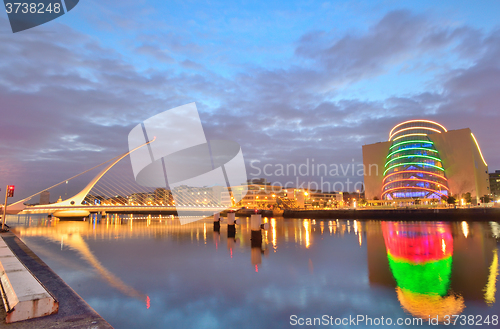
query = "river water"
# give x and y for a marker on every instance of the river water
(141, 271)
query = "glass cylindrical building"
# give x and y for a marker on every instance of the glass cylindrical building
(413, 167)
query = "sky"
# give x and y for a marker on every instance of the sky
(290, 81)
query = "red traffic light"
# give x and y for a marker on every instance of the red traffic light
(10, 191)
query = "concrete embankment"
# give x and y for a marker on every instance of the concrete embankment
(475, 214)
(24, 297)
(73, 312)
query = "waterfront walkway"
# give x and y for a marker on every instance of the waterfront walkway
(74, 312)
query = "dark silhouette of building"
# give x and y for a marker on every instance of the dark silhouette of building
(45, 197)
(495, 184)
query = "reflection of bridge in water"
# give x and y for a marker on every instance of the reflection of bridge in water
(71, 234)
(134, 226)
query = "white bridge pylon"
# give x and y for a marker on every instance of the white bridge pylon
(76, 200)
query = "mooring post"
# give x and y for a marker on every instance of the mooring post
(231, 225)
(255, 226)
(217, 222)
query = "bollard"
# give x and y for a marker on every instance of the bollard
(231, 218)
(255, 222)
(217, 222)
(231, 225)
(256, 241)
(231, 231)
(255, 226)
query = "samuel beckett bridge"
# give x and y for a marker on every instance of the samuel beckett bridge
(119, 193)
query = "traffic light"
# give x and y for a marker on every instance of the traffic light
(10, 191)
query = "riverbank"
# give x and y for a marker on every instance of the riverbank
(74, 312)
(475, 214)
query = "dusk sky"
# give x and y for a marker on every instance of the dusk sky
(287, 80)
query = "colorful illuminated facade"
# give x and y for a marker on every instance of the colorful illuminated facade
(413, 167)
(423, 160)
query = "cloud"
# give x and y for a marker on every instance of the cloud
(399, 37)
(158, 54)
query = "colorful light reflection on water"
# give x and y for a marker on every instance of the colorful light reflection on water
(420, 258)
(150, 271)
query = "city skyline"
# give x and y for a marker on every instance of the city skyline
(249, 164)
(303, 81)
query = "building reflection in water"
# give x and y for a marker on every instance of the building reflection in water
(491, 286)
(435, 268)
(420, 259)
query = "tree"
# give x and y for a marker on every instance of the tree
(451, 200)
(485, 199)
(467, 197)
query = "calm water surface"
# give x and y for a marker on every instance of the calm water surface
(151, 272)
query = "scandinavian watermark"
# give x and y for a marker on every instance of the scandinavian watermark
(314, 176)
(170, 150)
